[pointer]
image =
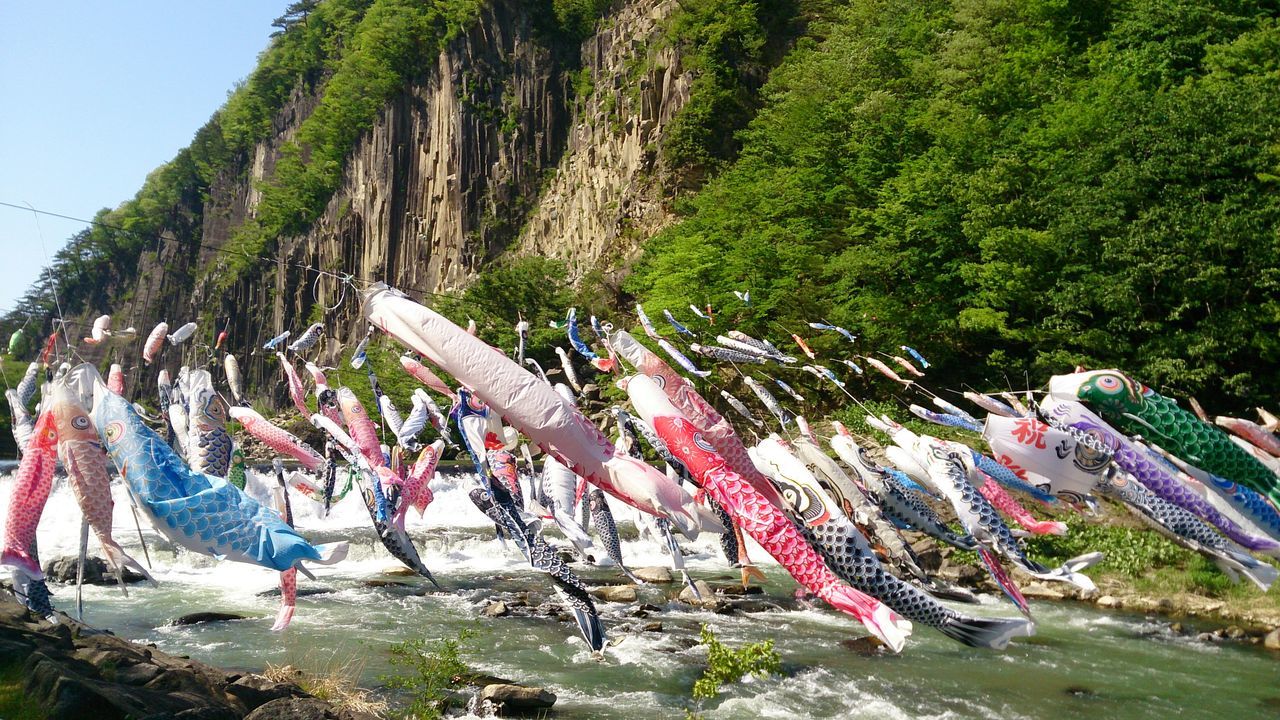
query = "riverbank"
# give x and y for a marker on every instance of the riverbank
(1142, 572)
(355, 612)
(66, 669)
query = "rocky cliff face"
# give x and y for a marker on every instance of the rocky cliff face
(604, 197)
(491, 152)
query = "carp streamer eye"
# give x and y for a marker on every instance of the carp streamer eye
(80, 422)
(1110, 384)
(114, 431)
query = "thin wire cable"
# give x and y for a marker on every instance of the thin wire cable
(53, 288)
(340, 277)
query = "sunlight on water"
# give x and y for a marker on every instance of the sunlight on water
(1080, 662)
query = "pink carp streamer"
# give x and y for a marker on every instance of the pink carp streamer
(906, 365)
(887, 371)
(1251, 431)
(31, 489)
(289, 577)
(154, 342)
(415, 490)
(360, 427)
(86, 463)
(694, 407)
(115, 379)
(293, 382)
(535, 409)
(288, 599)
(764, 522)
(277, 438)
(1005, 503)
(426, 377)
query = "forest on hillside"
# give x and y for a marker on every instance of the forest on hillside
(1013, 188)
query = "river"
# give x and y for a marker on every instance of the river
(1081, 661)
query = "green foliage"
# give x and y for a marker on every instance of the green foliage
(383, 355)
(726, 665)
(724, 42)
(432, 669)
(534, 286)
(392, 42)
(1129, 551)
(15, 704)
(583, 84)
(1011, 188)
(577, 18)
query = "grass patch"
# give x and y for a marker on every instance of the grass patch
(1145, 563)
(14, 703)
(1130, 551)
(335, 682)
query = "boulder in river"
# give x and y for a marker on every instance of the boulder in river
(302, 592)
(71, 670)
(515, 699)
(616, 593)
(204, 617)
(63, 570)
(656, 575)
(256, 690)
(496, 609)
(1272, 640)
(1042, 591)
(708, 595)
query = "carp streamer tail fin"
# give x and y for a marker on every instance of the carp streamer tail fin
(994, 633)
(884, 623)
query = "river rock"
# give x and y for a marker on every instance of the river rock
(496, 609)
(1042, 591)
(204, 617)
(708, 595)
(961, 574)
(375, 583)
(616, 593)
(515, 699)
(63, 570)
(930, 558)
(1109, 601)
(652, 627)
(656, 575)
(295, 709)
(865, 645)
(73, 671)
(738, 590)
(1234, 632)
(302, 592)
(255, 691)
(1272, 640)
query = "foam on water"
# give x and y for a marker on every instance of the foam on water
(1080, 662)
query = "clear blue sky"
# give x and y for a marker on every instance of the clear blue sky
(95, 95)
